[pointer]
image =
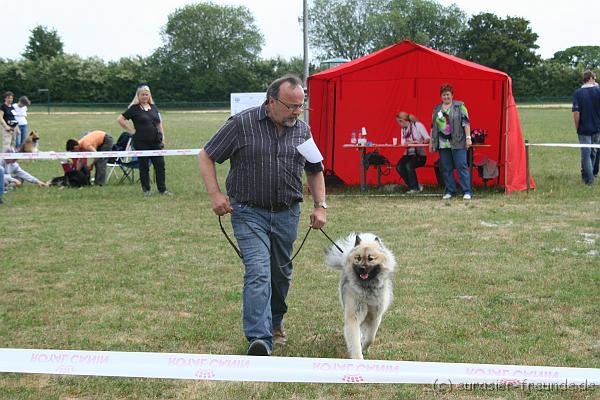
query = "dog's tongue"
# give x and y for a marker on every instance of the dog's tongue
(364, 277)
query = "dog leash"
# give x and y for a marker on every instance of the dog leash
(239, 253)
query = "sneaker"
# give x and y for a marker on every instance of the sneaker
(1, 201)
(258, 348)
(447, 196)
(147, 193)
(279, 336)
(166, 193)
(419, 189)
(467, 196)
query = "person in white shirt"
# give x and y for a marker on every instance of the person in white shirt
(412, 132)
(21, 117)
(14, 175)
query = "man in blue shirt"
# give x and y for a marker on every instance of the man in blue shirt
(586, 115)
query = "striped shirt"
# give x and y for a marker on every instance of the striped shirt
(265, 166)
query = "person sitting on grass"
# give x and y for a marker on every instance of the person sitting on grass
(14, 175)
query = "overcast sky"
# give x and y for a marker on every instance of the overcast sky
(111, 29)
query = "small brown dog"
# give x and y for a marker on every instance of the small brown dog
(31, 143)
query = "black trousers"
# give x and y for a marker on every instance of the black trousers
(407, 168)
(159, 166)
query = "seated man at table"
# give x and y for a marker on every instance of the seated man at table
(412, 132)
(93, 141)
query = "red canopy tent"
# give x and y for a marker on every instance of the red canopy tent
(370, 91)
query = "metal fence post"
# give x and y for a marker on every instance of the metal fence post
(527, 164)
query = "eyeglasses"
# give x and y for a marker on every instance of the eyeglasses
(292, 107)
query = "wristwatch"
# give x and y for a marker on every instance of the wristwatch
(321, 204)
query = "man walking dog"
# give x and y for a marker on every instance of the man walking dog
(264, 191)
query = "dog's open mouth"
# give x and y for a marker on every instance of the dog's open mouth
(365, 274)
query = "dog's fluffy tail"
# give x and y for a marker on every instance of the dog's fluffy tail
(334, 259)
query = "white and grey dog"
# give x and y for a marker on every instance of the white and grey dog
(365, 286)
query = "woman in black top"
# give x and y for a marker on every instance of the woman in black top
(148, 134)
(10, 128)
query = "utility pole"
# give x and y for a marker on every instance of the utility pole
(305, 29)
(305, 36)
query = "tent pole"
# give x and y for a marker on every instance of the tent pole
(305, 39)
(507, 94)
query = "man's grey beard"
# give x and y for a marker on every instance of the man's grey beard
(290, 124)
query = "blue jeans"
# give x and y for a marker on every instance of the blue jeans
(266, 240)
(588, 157)
(1, 181)
(449, 159)
(20, 139)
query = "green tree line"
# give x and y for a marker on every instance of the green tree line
(201, 60)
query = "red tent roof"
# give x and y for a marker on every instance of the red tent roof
(396, 50)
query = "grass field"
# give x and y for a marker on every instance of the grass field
(501, 279)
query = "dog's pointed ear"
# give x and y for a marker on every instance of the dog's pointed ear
(378, 240)
(357, 242)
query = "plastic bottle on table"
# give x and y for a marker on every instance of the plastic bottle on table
(353, 138)
(364, 135)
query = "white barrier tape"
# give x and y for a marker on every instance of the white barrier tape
(61, 155)
(593, 146)
(285, 369)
